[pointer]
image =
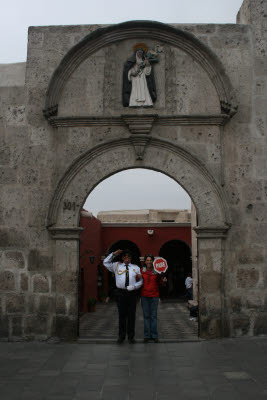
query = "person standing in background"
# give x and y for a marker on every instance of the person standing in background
(189, 287)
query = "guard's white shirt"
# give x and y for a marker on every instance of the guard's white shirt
(119, 269)
(188, 282)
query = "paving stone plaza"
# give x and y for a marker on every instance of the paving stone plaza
(173, 323)
(232, 369)
(97, 368)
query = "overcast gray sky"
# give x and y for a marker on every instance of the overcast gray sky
(136, 189)
(132, 189)
(18, 15)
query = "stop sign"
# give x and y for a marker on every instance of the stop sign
(160, 265)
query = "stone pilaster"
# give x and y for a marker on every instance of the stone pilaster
(66, 278)
(210, 241)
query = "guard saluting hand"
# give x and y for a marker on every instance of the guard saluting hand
(127, 285)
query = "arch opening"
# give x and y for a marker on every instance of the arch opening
(142, 230)
(137, 188)
(107, 159)
(139, 221)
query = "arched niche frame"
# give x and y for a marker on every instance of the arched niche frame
(141, 30)
(109, 158)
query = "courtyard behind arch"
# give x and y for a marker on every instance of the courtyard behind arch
(144, 231)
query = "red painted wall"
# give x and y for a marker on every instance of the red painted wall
(147, 244)
(90, 244)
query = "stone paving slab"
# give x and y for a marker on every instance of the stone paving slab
(214, 370)
(173, 323)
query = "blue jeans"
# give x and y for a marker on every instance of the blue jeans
(189, 293)
(150, 310)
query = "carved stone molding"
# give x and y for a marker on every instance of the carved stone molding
(201, 119)
(211, 232)
(68, 122)
(220, 211)
(64, 233)
(139, 123)
(50, 112)
(139, 142)
(228, 108)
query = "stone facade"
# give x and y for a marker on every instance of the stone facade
(65, 130)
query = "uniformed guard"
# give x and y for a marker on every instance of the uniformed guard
(127, 286)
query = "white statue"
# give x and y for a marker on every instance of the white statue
(139, 89)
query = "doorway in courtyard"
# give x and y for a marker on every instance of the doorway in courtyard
(145, 212)
(178, 255)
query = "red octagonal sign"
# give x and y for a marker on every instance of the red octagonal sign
(160, 265)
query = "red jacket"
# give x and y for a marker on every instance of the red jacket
(151, 283)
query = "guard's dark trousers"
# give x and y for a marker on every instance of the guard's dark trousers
(126, 302)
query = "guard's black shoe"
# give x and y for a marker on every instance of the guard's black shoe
(146, 340)
(131, 341)
(156, 340)
(120, 340)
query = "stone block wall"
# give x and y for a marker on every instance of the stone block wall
(26, 299)
(246, 180)
(38, 287)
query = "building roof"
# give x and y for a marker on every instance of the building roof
(145, 216)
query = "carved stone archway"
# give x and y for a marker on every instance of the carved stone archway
(109, 158)
(140, 30)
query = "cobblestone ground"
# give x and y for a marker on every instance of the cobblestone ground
(228, 369)
(173, 323)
